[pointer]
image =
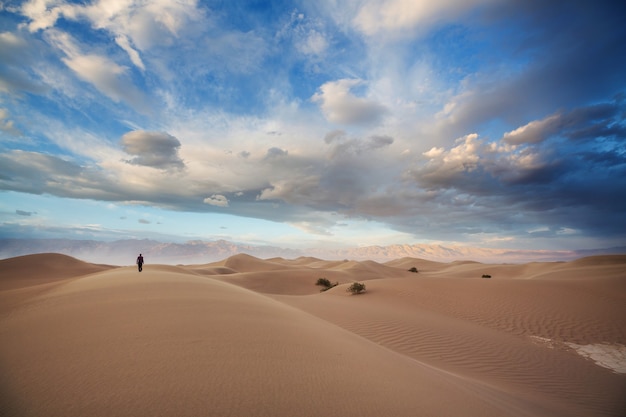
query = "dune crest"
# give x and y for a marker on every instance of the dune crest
(247, 336)
(28, 270)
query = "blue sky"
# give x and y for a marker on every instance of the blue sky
(296, 123)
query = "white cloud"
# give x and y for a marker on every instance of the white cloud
(43, 13)
(403, 16)
(340, 105)
(311, 227)
(99, 71)
(445, 166)
(144, 23)
(316, 43)
(434, 153)
(217, 200)
(123, 42)
(534, 132)
(136, 25)
(307, 35)
(109, 78)
(473, 165)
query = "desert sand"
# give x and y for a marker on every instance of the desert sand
(252, 337)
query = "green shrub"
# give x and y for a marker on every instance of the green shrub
(323, 282)
(356, 288)
(413, 269)
(326, 284)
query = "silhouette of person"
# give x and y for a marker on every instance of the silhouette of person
(140, 262)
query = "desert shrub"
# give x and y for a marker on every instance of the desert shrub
(326, 284)
(413, 269)
(486, 276)
(323, 282)
(356, 288)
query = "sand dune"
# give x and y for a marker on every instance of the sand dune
(253, 337)
(24, 277)
(30, 270)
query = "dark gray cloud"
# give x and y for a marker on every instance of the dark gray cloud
(587, 122)
(341, 144)
(24, 213)
(34, 172)
(37, 173)
(153, 149)
(276, 153)
(546, 172)
(335, 135)
(574, 55)
(341, 179)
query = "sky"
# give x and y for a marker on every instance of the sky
(487, 123)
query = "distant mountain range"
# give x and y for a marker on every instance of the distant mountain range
(124, 252)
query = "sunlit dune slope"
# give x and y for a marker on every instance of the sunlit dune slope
(515, 330)
(25, 277)
(249, 263)
(297, 277)
(254, 337)
(28, 270)
(419, 264)
(169, 342)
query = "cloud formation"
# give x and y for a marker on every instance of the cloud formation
(402, 17)
(153, 149)
(217, 200)
(467, 121)
(541, 170)
(108, 77)
(144, 23)
(340, 105)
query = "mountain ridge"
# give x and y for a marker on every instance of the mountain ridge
(124, 252)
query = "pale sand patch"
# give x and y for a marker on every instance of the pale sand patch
(612, 357)
(544, 341)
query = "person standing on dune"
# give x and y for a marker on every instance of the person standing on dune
(140, 262)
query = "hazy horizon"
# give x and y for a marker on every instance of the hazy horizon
(124, 252)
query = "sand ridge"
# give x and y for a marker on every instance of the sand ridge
(31, 270)
(247, 336)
